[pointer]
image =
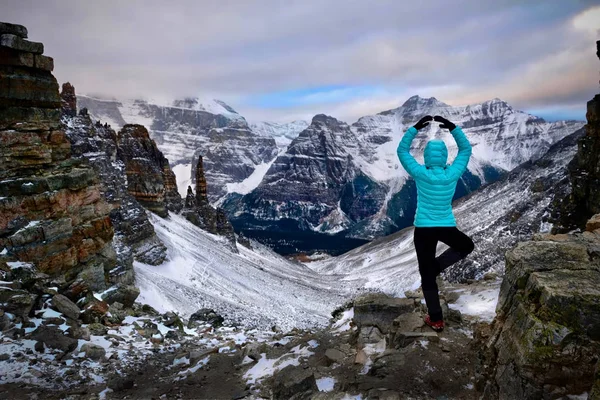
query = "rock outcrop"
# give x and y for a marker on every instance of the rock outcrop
(149, 177)
(69, 100)
(52, 214)
(545, 339)
(198, 210)
(584, 170)
(97, 143)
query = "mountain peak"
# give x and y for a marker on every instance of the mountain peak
(209, 105)
(425, 101)
(325, 119)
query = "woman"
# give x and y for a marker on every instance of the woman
(434, 221)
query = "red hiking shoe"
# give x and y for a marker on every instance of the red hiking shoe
(437, 326)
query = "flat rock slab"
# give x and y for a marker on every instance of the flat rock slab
(403, 339)
(378, 309)
(13, 29)
(17, 43)
(409, 322)
(570, 298)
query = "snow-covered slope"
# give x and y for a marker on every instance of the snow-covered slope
(254, 287)
(282, 133)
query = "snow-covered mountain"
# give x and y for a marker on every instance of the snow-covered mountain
(188, 127)
(336, 177)
(330, 178)
(282, 133)
(496, 216)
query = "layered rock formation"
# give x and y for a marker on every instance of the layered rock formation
(572, 211)
(134, 234)
(53, 218)
(198, 210)
(188, 127)
(545, 339)
(149, 177)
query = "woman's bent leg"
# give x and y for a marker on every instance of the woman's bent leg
(425, 245)
(460, 246)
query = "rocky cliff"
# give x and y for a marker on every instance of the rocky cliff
(53, 218)
(97, 143)
(545, 339)
(201, 213)
(190, 127)
(149, 177)
(584, 170)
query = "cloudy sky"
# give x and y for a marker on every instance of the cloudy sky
(285, 60)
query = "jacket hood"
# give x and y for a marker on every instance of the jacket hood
(436, 154)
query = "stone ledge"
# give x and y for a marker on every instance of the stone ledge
(17, 43)
(13, 29)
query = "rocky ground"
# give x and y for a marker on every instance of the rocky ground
(375, 347)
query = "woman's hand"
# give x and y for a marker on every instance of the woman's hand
(423, 122)
(445, 123)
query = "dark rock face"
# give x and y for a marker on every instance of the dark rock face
(149, 177)
(198, 210)
(316, 183)
(544, 341)
(52, 213)
(234, 161)
(69, 100)
(134, 234)
(584, 200)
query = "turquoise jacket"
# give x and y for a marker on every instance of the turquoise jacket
(436, 181)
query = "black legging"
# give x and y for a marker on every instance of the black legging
(426, 240)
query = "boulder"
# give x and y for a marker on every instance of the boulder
(335, 355)
(206, 315)
(93, 351)
(16, 301)
(593, 223)
(292, 380)
(254, 350)
(124, 294)
(80, 332)
(65, 306)
(97, 329)
(170, 319)
(117, 313)
(94, 311)
(378, 309)
(54, 338)
(361, 357)
(119, 383)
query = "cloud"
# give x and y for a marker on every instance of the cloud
(278, 60)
